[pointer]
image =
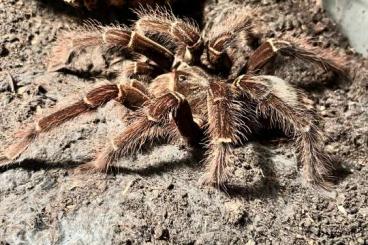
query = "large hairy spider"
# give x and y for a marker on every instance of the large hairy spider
(203, 88)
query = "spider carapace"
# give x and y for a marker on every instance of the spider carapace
(203, 88)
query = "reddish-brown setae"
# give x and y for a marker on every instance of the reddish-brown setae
(200, 87)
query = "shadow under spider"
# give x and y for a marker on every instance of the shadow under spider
(267, 187)
(165, 166)
(38, 164)
(156, 169)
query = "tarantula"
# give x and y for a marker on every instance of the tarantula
(204, 89)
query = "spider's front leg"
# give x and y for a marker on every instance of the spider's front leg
(228, 43)
(130, 95)
(182, 37)
(161, 118)
(291, 110)
(224, 119)
(299, 49)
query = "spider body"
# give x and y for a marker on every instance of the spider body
(203, 88)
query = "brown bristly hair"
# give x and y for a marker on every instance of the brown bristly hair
(326, 58)
(298, 120)
(92, 100)
(140, 133)
(91, 34)
(225, 129)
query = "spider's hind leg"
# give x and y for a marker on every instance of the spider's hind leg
(300, 49)
(291, 110)
(98, 36)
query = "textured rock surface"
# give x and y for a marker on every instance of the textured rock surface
(155, 197)
(352, 16)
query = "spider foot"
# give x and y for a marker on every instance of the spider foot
(14, 151)
(207, 180)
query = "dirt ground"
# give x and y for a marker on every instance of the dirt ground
(155, 198)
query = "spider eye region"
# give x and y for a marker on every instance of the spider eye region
(182, 78)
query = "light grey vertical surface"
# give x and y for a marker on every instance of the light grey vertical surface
(352, 16)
